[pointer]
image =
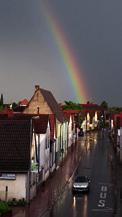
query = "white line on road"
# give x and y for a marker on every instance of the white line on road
(105, 183)
(103, 210)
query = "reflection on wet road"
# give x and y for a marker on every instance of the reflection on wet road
(90, 157)
(94, 163)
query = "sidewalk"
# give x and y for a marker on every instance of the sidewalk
(118, 184)
(119, 187)
(50, 192)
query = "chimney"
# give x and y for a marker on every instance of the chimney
(37, 87)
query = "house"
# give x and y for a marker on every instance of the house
(43, 102)
(16, 178)
(41, 149)
(6, 112)
(91, 113)
(87, 117)
(53, 137)
(72, 117)
(23, 102)
(41, 154)
(116, 132)
(20, 106)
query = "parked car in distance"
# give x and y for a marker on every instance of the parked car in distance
(81, 184)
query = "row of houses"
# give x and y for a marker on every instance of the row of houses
(34, 141)
(116, 133)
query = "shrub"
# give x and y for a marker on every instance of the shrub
(21, 202)
(4, 207)
(14, 202)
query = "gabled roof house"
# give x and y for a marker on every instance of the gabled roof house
(15, 157)
(43, 102)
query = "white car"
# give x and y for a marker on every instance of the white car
(81, 184)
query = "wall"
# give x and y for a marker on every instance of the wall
(16, 188)
(44, 156)
(70, 133)
(38, 105)
(121, 144)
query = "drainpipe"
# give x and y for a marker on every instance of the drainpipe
(38, 152)
(60, 143)
(6, 193)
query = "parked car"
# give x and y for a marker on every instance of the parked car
(81, 184)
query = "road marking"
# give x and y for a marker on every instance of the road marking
(104, 188)
(102, 197)
(105, 183)
(103, 210)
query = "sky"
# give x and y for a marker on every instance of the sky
(36, 35)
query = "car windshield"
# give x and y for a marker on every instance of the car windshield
(81, 179)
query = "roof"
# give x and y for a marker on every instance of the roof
(71, 111)
(40, 124)
(67, 116)
(7, 111)
(52, 103)
(90, 106)
(23, 102)
(53, 132)
(21, 106)
(15, 145)
(117, 119)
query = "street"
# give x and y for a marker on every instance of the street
(93, 156)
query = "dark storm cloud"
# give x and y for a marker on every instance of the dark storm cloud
(93, 28)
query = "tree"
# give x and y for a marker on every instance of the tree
(1, 103)
(115, 109)
(1, 99)
(71, 105)
(104, 105)
(14, 105)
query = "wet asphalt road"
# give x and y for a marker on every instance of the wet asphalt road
(96, 163)
(92, 156)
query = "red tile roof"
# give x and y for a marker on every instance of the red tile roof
(24, 102)
(67, 116)
(71, 111)
(7, 111)
(116, 117)
(91, 106)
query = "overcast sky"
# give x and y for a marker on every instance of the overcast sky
(28, 53)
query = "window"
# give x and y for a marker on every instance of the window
(6, 176)
(47, 145)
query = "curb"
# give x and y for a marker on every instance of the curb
(62, 190)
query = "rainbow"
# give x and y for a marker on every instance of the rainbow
(68, 56)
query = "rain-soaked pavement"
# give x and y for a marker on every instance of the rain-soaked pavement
(54, 186)
(92, 156)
